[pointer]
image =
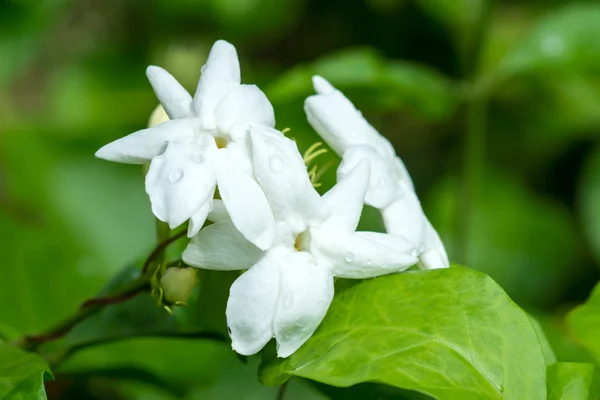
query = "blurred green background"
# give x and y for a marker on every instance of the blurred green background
(72, 79)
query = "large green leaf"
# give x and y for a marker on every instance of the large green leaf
(584, 323)
(389, 84)
(563, 40)
(22, 374)
(452, 334)
(571, 381)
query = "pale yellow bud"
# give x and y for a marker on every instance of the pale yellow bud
(178, 284)
(158, 116)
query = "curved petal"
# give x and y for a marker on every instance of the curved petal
(245, 201)
(305, 293)
(221, 247)
(142, 146)
(383, 187)
(176, 101)
(251, 304)
(280, 170)
(404, 217)
(434, 254)
(345, 199)
(359, 256)
(218, 212)
(198, 219)
(220, 74)
(336, 119)
(181, 180)
(245, 104)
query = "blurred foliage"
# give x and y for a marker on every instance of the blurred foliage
(72, 79)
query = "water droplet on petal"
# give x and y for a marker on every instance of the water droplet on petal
(175, 176)
(288, 301)
(369, 262)
(276, 164)
(349, 257)
(198, 158)
(382, 183)
(288, 335)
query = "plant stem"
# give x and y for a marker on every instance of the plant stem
(281, 391)
(94, 305)
(473, 168)
(87, 309)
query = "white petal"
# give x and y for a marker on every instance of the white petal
(176, 101)
(338, 122)
(141, 146)
(251, 304)
(322, 86)
(197, 220)
(245, 201)
(280, 170)
(221, 246)
(434, 254)
(345, 199)
(404, 217)
(181, 180)
(218, 212)
(358, 256)
(220, 74)
(245, 104)
(383, 186)
(305, 293)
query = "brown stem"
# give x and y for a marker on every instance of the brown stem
(160, 249)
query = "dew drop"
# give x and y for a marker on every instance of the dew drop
(198, 158)
(276, 164)
(288, 335)
(369, 262)
(382, 183)
(288, 301)
(349, 257)
(175, 176)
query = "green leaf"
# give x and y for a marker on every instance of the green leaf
(571, 381)
(563, 40)
(460, 17)
(589, 198)
(549, 356)
(451, 334)
(22, 374)
(389, 84)
(584, 323)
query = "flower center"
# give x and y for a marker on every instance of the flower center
(221, 142)
(302, 242)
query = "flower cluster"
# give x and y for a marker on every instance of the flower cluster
(267, 218)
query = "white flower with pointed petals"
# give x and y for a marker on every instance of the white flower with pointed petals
(287, 290)
(391, 189)
(205, 144)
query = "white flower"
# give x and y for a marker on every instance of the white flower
(391, 189)
(203, 145)
(287, 290)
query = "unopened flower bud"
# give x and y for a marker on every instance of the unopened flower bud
(178, 284)
(158, 116)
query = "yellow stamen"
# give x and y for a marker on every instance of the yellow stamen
(221, 142)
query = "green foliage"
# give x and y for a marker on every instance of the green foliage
(584, 322)
(393, 84)
(449, 333)
(22, 374)
(589, 198)
(564, 40)
(532, 240)
(571, 381)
